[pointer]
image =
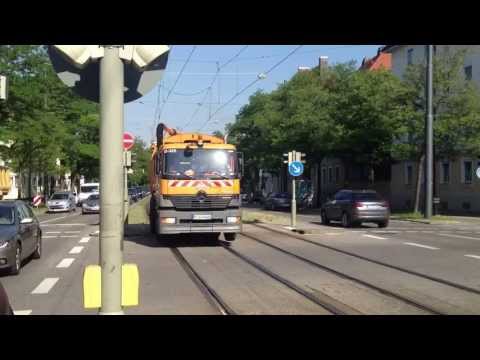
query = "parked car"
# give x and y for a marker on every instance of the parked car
(20, 235)
(354, 207)
(133, 194)
(91, 205)
(62, 201)
(5, 307)
(257, 198)
(275, 201)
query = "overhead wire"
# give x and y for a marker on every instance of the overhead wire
(175, 83)
(250, 85)
(202, 102)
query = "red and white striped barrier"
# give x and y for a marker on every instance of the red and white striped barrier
(37, 200)
(200, 183)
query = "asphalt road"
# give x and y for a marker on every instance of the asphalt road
(53, 284)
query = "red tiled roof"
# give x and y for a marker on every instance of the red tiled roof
(381, 60)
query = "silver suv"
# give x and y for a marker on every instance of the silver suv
(353, 207)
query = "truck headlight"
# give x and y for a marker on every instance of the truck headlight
(233, 219)
(167, 220)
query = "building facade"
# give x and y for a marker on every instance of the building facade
(455, 181)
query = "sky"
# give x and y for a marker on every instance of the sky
(182, 110)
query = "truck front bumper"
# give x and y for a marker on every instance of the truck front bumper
(185, 222)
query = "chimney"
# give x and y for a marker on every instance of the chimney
(323, 63)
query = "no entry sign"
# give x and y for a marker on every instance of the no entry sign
(128, 141)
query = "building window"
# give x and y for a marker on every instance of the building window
(330, 175)
(408, 174)
(467, 168)
(337, 174)
(468, 72)
(409, 56)
(445, 173)
(324, 176)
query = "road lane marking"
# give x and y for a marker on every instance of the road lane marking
(66, 224)
(53, 232)
(45, 286)
(76, 250)
(68, 236)
(47, 237)
(85, 240)
(374, 237)
(58, 218)
(329, 233)
(22, 312)
(65, 263)
(473, 256)
(71, 232)
(459, 236)
(422, 246)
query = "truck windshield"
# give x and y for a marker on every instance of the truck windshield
(200, 164)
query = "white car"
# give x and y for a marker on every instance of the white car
(86, 190)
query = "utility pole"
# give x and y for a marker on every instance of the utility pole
(111, 180)
(429, 133)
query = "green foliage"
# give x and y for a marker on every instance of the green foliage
(140, 166)
(43, 119)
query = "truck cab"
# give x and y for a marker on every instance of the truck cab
(195, 185)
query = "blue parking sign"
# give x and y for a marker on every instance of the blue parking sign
(295, 168)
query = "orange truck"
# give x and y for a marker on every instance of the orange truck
(195, 185)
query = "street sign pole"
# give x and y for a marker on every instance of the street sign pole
(111, 180)
(294, 205)
(429, 135)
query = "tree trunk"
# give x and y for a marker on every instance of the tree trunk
(419, 182)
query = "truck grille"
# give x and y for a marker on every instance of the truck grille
(190, 202)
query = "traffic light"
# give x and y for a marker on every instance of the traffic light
(294, 156)
(286, 158)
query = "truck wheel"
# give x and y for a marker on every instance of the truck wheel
(153, 227)
(230, 236)
(325, 220)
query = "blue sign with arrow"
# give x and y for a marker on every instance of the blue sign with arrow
(295, 168)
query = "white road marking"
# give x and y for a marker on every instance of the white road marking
(66, 225)
(46, 237)
(374, 237)
(85, 240)
(333, 233)
(53, 232)
(58, 218)
(71, 232)
(45, 286)
(22, 312)
(459, 236)
(76, 250)
(473, 256)
(422, 246)
(68, 236)
(65, 263)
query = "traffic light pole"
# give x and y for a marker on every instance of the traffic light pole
(111, 180)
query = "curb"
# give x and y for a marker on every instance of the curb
(414, 221)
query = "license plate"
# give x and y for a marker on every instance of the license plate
(374, 207)
(202, 217)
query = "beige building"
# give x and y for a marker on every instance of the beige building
(456, 182)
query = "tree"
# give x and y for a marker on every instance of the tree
(456, 104)
(142, 156)
(42, 118)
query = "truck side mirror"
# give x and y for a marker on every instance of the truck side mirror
(240, 164)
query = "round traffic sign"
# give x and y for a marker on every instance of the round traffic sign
(86, 81)
(128, 141)
(295, 168)
(478, 172)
